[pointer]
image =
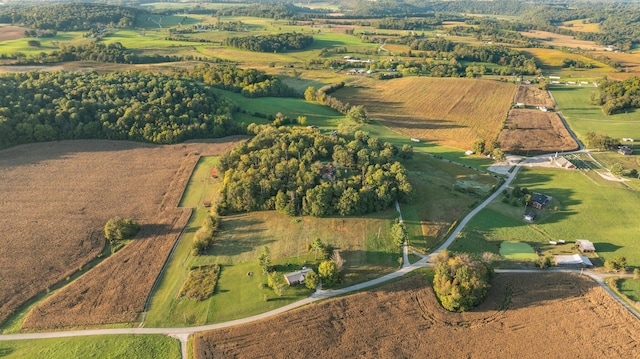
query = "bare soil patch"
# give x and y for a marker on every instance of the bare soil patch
(525, 316)
(56, 198)
(533, 96)
(449, 111)
(10, 32)
(535, 132)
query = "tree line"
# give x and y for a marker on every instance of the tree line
(47, 106)
(69, 16)
(271, 43)
(300, 171)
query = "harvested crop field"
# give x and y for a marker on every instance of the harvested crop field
(56, 198)
(9, 32)
(449, 111)
(533, 315)
(533, 96)
(535, 132)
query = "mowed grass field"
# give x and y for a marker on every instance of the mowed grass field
(111, 346)
(363, 243)
(446, 111)
(583, 117)
(588, 207)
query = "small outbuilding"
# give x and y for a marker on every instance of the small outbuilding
(297, 277)
(625, 150)
(214, 173)
(529, 216)
(572, 260)
(563, 162)
(585, 246)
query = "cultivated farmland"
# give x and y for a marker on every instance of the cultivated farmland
(533, 96)
(448, 111)
(535, 132)
(11, 32)
(57, 196)
(525, 316)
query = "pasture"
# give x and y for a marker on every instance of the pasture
(583, 206)
(115, 346)
(515, 318)
(362, 242)
(583, 117)
(446, 111)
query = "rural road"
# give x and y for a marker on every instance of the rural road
(183, 333)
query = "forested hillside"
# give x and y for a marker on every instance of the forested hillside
(68, 16)
(302, 171)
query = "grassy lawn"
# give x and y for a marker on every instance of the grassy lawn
(363, 243)
(630, 288)
(588, 207)
(111, 346)
(517, 251)
(584, 117)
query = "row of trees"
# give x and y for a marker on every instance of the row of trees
(47, 106)
(271, 43)
(68, 16)
(206, 234)
(301, 171)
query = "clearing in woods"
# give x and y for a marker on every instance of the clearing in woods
(57, 196)
(525, 315)
(448, 111)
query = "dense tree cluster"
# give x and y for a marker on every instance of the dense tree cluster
(460, 282)
(249, 82)
(616, 96)
(600, 141)
(95, 51)
(117, 229)
(409, 23)
(301, 171)
(46, 106)
(271, 43)
(68, 16)
(205, 235)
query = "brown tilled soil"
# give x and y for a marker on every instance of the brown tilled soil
(11, 32)
(547, 315)
(535, 132)
(56, 198)
(533, 96)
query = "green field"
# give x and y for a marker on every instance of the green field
(630, 288)
(47, 44)
(517, 251)
(363, 244)
(584, 117)
(108, 346)
(588, 207)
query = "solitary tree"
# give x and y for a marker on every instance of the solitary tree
(311, 280)
(118, 229)
(358, 114)
(328, 272)
(264, 259)
(399, 233)
(617, 169)
(478, 146)
(277, 283)
(315, 246)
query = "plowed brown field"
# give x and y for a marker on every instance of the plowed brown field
(449, 111)
(533, 96)
(537, 132)
(56, 198)
(546, 315)
(9, 32)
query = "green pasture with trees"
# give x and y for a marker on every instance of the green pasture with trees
(584, 206)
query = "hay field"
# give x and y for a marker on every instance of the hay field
(449, 111)
(56, 197)
(525, 316)
(553, 39)
(579, 26)
(533, 96)
(535, 132)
